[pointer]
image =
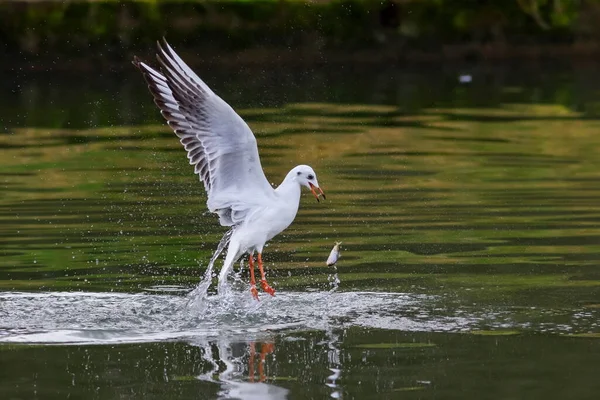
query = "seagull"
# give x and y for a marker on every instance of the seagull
(224, 153)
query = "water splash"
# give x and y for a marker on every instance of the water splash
(334, 280)
(197, 297)
(78, 317)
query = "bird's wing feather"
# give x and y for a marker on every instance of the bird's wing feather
(219, 143)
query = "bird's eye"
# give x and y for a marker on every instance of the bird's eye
(298, 173)
(310, 177)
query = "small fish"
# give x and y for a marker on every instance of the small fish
(334, 255)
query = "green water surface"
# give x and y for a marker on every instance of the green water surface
(486, 195)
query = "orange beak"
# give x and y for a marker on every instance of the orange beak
(314, 192)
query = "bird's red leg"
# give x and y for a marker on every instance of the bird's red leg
(263, 280)
(252, 280)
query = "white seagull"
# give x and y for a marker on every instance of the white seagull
(223, 151)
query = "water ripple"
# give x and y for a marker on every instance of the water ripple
(81, 317)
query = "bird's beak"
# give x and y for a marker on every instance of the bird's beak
(314, 192)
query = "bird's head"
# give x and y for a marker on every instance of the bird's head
(305, 176)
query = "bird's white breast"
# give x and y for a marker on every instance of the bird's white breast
(270, 220)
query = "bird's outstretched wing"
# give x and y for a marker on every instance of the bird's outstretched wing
(220, 145)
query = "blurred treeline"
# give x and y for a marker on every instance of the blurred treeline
(426, 29)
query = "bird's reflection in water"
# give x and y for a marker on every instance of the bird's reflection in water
(266, 348)
(233, 367)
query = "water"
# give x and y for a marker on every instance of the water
(468, 213)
